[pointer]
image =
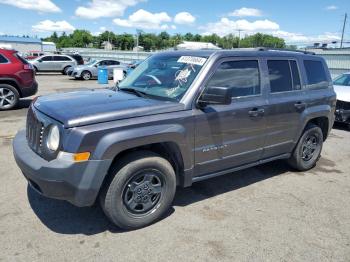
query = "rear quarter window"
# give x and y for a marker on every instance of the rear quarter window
(316, 74)
(3, 60)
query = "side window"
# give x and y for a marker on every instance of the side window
(46, 58)
(65, 58)
(316, 74)
(242, 76)
(112, 62)
(280, 76)
(3, 60)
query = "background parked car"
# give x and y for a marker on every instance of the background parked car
(342, 88)
(17, 79)
(90, 70)
(33, 54)
(78, 58)
(53, 63)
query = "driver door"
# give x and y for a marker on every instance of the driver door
(229, 136)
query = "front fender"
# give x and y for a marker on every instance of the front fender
(111, 144)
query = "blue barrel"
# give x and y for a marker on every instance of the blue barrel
(102, 76)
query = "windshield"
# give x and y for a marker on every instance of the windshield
(91, 62)
(164, 76)
(343, 80)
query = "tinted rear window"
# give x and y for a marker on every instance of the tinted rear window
(3, 60)
(316, 74)
(280, 76)
(21, 59)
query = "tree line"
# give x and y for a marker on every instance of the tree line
(161, 41)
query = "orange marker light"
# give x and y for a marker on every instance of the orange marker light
(79, 157)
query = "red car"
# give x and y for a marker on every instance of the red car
(17, 79)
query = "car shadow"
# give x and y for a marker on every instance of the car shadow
(23, 103)
(64, 218)
(341, 126)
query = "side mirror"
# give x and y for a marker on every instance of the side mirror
(216, 96)
(40, 60)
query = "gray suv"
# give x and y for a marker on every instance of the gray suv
(178, 118)
(53, 63)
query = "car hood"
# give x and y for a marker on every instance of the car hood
(100, 105)
(343, 93)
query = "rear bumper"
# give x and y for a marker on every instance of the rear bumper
(29, 91)
(78, 183)
(342, 116)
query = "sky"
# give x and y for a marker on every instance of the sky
(298, 22)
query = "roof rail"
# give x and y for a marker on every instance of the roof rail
(284, 50)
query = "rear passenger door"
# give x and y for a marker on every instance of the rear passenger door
(286, 102)
(228, 136)
(46, 63)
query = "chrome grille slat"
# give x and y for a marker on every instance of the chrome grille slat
(34, 128)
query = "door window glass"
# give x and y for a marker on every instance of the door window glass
(241, 76)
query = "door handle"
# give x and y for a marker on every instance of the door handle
(300, 105)
(255, 112)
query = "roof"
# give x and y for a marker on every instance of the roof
(249, 52)
(19, 39)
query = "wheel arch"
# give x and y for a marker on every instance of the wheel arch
(11, 82)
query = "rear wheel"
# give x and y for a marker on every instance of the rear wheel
(9, 97)
(141, 190)
(86, 75)
(64, 72)
(308, 150)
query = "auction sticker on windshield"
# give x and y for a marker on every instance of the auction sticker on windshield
(194, 60)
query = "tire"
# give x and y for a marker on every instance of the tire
(86, 75)
(9, 97)
(36, 70)
(64, 72)
(139, 191)
(308, 150)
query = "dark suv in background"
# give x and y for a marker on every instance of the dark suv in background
(178, 118)
(17, 79)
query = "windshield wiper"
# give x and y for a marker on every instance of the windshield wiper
(134, 91)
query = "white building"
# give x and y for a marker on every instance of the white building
(189, 45)
(21, 44)
(48, 47)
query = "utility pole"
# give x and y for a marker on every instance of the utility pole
(342, 35)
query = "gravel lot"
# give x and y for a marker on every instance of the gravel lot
(267, 213)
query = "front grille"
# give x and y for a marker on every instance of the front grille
(34, 131)
(343, 105)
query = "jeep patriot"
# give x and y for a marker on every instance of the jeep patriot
(178, 118)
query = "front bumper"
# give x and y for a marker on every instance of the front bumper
(76, 74)
(79, 183)
(342, 115)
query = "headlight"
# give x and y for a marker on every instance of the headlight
(53, 138)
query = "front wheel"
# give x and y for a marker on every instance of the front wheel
(86, 75)
(141, 190)
(308, 150)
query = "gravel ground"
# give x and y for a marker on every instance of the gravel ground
(267, 213)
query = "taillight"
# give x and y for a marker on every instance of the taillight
(27, 67)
